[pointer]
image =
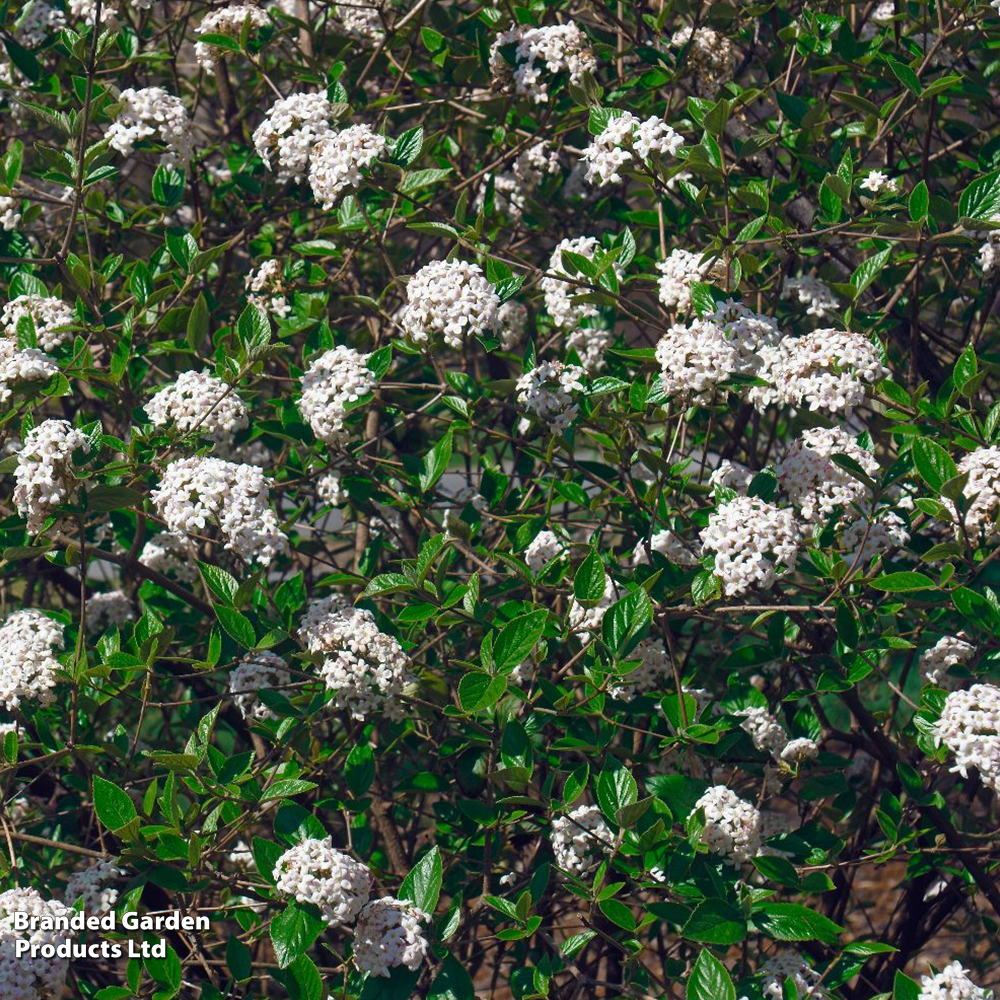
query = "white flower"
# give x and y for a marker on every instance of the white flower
(826, 370)
(149, 113)
(332, 382)
(451, 298)
(680, 271)
(265, 287)
(869, 536)
(764, 729)
(226, 21)
(512, 189)
(672, 547)
(949, 651)
(542, 549)
(625, 139)
(313, 871)
(811, 292)
(732, 826)
(44, 473)
(198, 492)
(39, 20)
(91, 884)
(789, 964)
(560, 294)
(548, 391)
(50, 316)
(290, 130)
(366, 669)
(360, 21)
(170, 552)
(337, 160)
(199, 403)
(513, 318)
(814, 482)
(584, 621)
(86, 10)
(982, 492)
(952, 983)
(329, 490)
(799, 751)
(19, 366)
(28, 665)
(388, 934)
(731, 476)
(654, 668)
(753, 541)
(29, 976)
(559, 48)
(10, 212)
(578, 836)
(970, 728)
(878, 180)
(710, 56)
(259, 671)
(696, 357)
(110, 608)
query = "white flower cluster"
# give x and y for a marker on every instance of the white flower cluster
(265, 288)
(753, 542)
(731, 475)
(982, 492)
(92, 884)
(654, 668)
(511, 189)
(680, 271)
(878, 180)
(228, 21)
(197, 492)
(577, 836)
(513, 323)
(732, 825)
(86, 10)
(451, 298)
(813, 293)
(329, 490)
(337, 160)
(333, 380)
(710, 56)
(826, 369)
(20, 366)
(50, 316)
(764, 729)
(44, 475)
(360, 21)
(199, 402)
(559, 292)
(170, 552)
(366, 669)
(40, 19)
(814, 482)
(949, 651)
(559, 48)
(314, 871)
(291, 128)
(547, 392)
(799, 751)
(671, 546)
(625, 139)
(10, 212)
(151, 112)
(112, 607)
(789, 964)
(388, 934)
(29, 976)
(970, 728)
(952, 983)
(583, 621)
(260, 671)
(28, 666)
(542, 549)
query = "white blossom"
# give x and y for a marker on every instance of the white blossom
(680, 271)
(764, 729)
(731, 475)
(789, 964)
(265, 288)
(952, 983)
(711, 57)
(196, 493)
(314, 871)
(969, 727)
(334, 380)
(40, 19)
(949, 651)
(388, 934)
(170, 552)
(548, 391)
(560, 293)
(51, 318)
(28, 664)
(226, 21)
(583, 620)
(330, 490)
(542, 549)
(982, 493)
(451, 298)
(337, 160)
(671, 546)
(10, 212)
(152, 113)
(878, 180)
(28, 975)
(653, 670)
(20, 366)
(293, 125)
(258, 671)
(113, 607)
(538, 54)
(623, 141)
(813, 293)
(578, 836)
(44, 474)
(361, 21)
(366, 669)
(513, 317)
(732, 825)
(753, 541)
(869, 536)
(799, 751)
(92, 884)
(199, 403)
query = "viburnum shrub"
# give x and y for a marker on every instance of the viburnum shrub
(500, 501)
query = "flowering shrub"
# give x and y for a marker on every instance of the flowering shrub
(501, 501)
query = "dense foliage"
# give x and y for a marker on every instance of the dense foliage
(502, 501)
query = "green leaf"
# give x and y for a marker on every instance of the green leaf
(238, 959)
(253, 328)
(221, 582)
(113, 498)
(898, 583)
(286, 787)
(933, 463)
(615, 788)
(626, 620)
(113, 806)
(423, 883)
(618, 913)
(452, 982)
(168, 186)
(715, 921)
(868, 270)
(589, 580)
(387, 583)
(478, 691)
(435, 463)
(919, 202)
(303, 981)
(265, 857)
(792, 922)
(904, 74)
(709, 980)
(236, 625)
(359, 770)
(904, 988)
(293, 931)
(981, 199)
(24, 59)
(408, 145)
(517, 639)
